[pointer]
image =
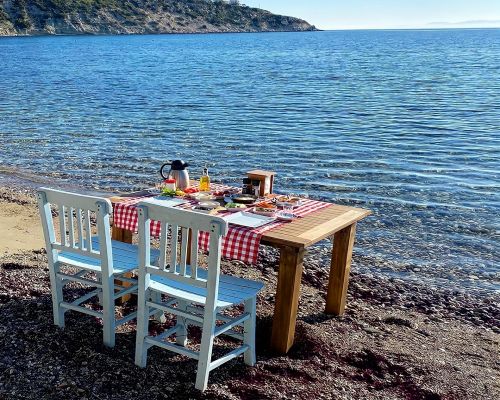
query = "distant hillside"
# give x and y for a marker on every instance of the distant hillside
(42, 17)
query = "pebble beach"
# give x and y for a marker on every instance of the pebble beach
(399, 339)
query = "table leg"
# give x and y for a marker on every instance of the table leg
(125, 236)
(340, 267)
(287, 298)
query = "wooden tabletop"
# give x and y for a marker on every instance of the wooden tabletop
(314, 227)
(304, 231)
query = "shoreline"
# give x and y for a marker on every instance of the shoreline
(373, 266)
(46, 34)
(397, 340)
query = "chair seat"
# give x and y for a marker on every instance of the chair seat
(125, 257)
(232, 290)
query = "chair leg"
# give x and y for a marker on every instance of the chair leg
(160, 315)
(249, 331)
(181, 336)
(141, 349)
(108, 311)
(99, 295)
(207, 341)
(56, 287)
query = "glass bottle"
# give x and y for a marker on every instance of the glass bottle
(205, 181)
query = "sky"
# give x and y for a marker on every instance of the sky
(380, 14)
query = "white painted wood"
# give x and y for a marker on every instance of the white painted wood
(81, 309)
(184, 250)
(76, 248)
(163, 244)
(172, 347)
(62, 224)
(108, 303)
(249, 331)
(186, 285)
(75, 278)
(50, 238)
(181, 338)
(141, 347)
(79, 225)
(71, 227)
(174, 247)
(88, 296)
(126, 319)
(194, 253)
(219, 330)
(88, 230)
(229, 356)
(181, 311)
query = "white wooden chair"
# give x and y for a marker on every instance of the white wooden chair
(189, 286)
(105, 258)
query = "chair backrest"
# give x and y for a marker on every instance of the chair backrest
(184, 228)
(75, 213)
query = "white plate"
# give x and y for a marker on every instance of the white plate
(165, 201)
(202, 196)
(286, 216)
(287, 204)
(208, 204)
(265, 213)
(248, 219)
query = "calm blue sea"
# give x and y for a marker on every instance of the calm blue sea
(405, 123)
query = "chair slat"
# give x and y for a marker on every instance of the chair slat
(163, 244)
(184, 249)
(71, 227)
(174, 247)
(62, 224)
(80, 228)
(88, 231)
(194, 253)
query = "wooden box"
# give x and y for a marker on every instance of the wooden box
(266, 179)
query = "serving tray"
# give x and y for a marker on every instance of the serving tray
(165, 201)
(250, 220)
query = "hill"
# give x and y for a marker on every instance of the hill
(42, 17)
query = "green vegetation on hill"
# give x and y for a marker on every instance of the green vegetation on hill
(137, 16)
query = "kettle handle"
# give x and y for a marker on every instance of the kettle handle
(161, 170)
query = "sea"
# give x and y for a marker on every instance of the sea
(405, 123)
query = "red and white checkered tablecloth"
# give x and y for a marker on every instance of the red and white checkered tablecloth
(240, 243)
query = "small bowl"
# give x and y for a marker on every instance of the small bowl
(208, 205)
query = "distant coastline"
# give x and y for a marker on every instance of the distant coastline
(112, 17)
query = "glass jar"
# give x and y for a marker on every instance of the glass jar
(247, 186)
(169, 184)
(256, 187)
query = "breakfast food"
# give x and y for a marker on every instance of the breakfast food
(235, 205)
(266, 205)
(172, 193)
(191, 190)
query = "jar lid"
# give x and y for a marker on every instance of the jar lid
(169, 181)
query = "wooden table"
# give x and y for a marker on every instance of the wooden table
(293, 239)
